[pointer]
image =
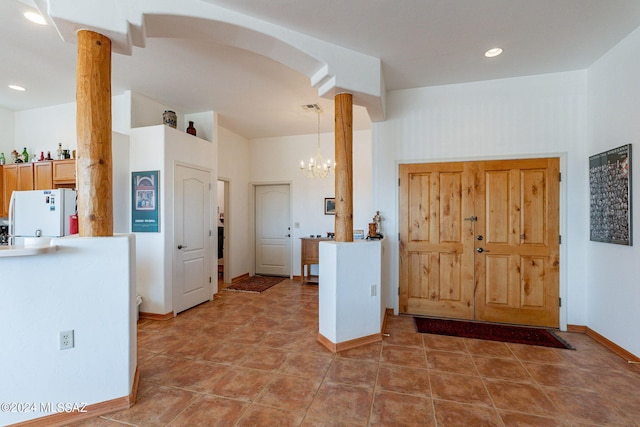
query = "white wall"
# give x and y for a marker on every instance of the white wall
(42, 129)
(277, 160)
(613, 291)
(159, 148)
(509, 118)
(6, 132)
(87, 285)
(233, 166)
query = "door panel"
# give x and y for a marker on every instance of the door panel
(479, 240)
(273, 234)
(517, 274)
(192, 284)
(434, 243)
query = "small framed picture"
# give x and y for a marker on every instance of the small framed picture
(329, 205)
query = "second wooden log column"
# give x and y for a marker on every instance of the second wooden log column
(344, 167)
(93, 126)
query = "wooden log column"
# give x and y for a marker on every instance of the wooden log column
(93, 125)
(344, 167)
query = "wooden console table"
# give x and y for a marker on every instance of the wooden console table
(310, 254)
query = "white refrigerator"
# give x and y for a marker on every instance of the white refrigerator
(40, 213)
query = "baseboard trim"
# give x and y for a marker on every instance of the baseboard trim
(387, 312)
(577, 328)
(347, 345)
(91, 411)
(156, 316)
(241, 277)
(604, 341)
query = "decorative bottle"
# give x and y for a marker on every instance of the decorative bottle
(2, 159)
(25, 155)
(60, 151)
(191, 130)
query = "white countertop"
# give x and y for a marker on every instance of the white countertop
(12, 251)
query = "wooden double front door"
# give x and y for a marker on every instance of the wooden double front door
(480, 240)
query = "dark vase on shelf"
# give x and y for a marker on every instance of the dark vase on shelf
(191, 130)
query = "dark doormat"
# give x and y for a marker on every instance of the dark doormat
(490, 331)
(255, 284)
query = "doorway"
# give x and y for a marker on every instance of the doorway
(480, 240)
(272, 232)
(223, 230)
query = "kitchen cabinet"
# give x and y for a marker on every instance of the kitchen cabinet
(64, 173)
(3, 210)
(42, 175)
(25, 176)
(16, 176)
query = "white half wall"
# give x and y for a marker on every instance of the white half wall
(87, 285)
(613, 289)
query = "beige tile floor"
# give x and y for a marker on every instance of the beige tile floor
(253, 360)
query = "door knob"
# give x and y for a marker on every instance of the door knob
(480, 238)
(479, 250)
(288, 235)
(181, 247)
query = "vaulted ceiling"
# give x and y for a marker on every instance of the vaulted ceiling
(419, 42)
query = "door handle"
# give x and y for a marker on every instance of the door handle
(182, 247)
(288, 235)
(479, 250)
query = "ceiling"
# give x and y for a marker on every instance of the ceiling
(420, 43)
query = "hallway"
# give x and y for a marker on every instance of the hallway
(253, 360)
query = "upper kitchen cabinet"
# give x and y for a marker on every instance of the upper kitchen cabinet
(3, 210)
(17, 176)
(25, 176)
(42, 175)
(64, 173)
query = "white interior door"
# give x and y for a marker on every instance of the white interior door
(192, 219)
(273, 232)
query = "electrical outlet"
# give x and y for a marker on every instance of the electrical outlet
(66, 339)
(374, 290)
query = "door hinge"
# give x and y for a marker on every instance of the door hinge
(398, 182)
(209, 186)
(560, 176)
(398, 290)
(398, 237)
(559, 302)
(210, 233)
(209, 279)
(560, 239)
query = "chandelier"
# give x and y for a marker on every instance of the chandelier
(318, 166)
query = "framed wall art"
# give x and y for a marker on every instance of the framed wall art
(329, 205)
(610, 196)
(144, 206)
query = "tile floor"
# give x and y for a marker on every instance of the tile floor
(253, 360)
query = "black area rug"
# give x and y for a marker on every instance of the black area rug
(255, 284)
(490, 331)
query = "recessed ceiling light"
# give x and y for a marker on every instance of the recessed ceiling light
(493, 52)
(35, 17)
(18, 88)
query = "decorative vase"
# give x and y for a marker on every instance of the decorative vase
(191, 130)
(169, 118)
